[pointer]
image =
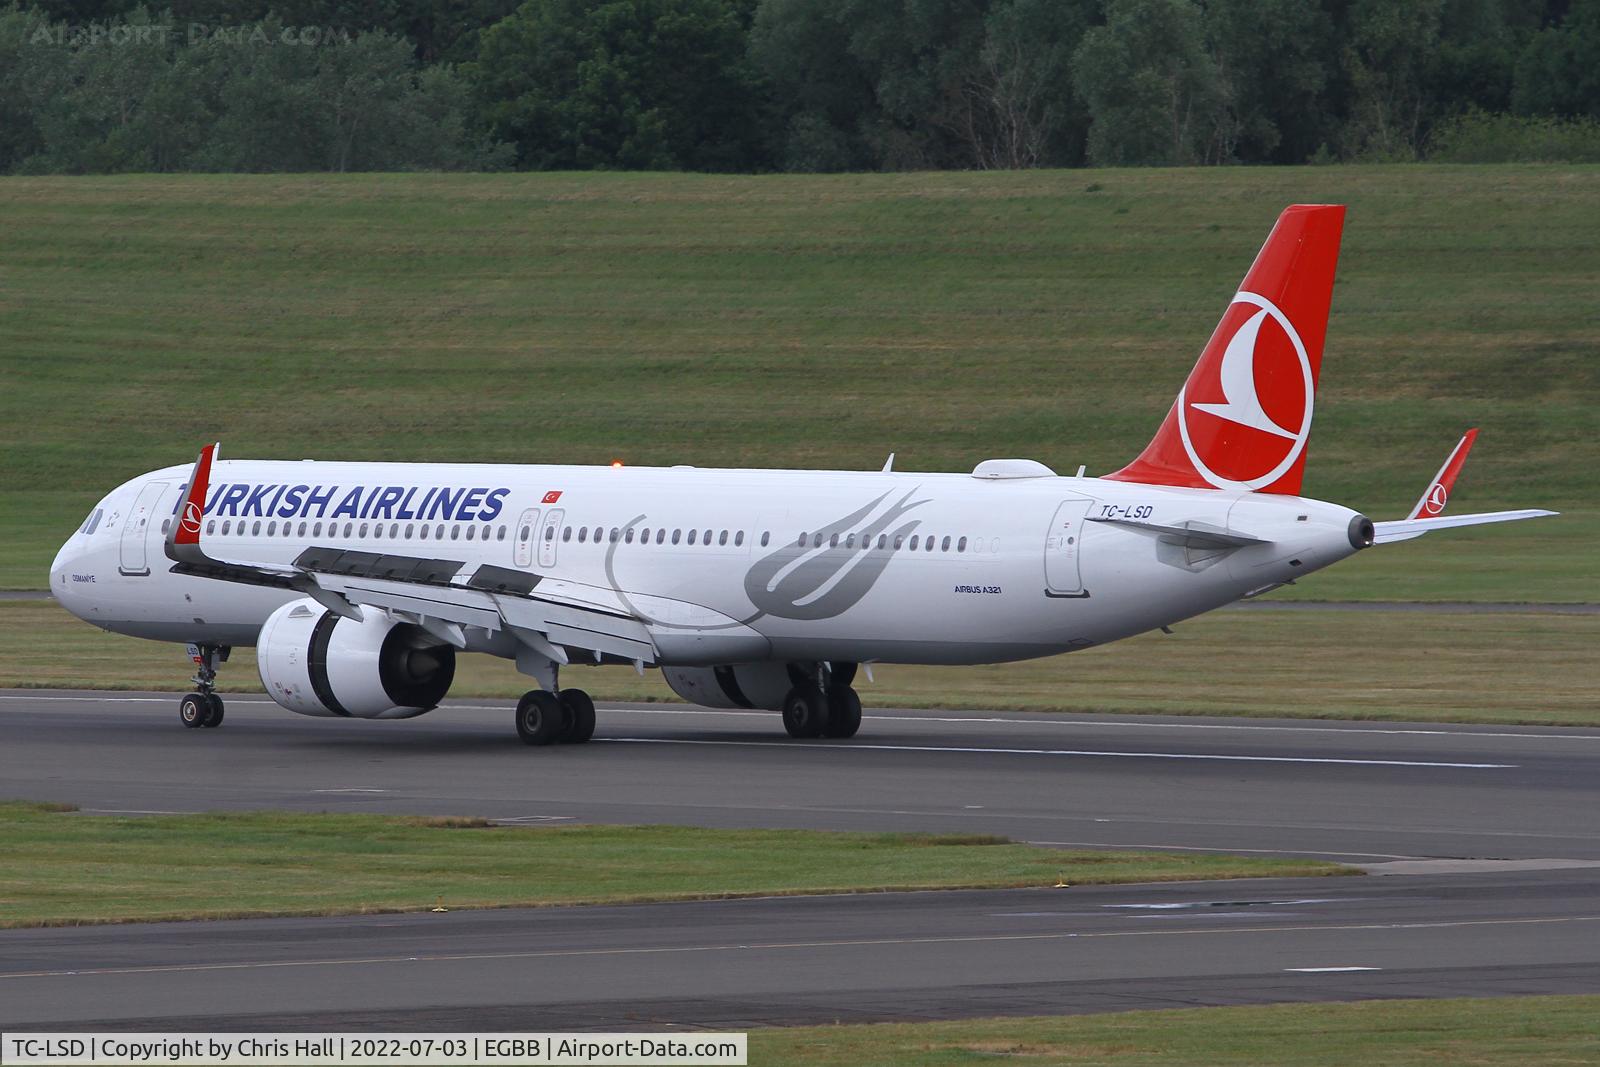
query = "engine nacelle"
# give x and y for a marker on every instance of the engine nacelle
(742, 685)
(318, 663)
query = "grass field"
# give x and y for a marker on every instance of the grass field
(799, 321)
(1505, 668)
(66, 869)
(1502, 1032)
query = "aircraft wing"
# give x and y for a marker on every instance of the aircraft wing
(435, 594)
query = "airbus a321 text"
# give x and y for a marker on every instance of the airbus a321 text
(360, 583)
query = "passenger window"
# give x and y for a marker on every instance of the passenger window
(766, 535)
(362, 532)
(550, 534)
(913, 542)
(802, 539)
(316, 531)
(527, 532)
(944, 545)
(722, 538)
(816, 540)
(227, 524)
(471, 532)
(927, 546)
(566, 535)
(424, 531)
(583, 534)
(500, 534)
(692, 535)
(899, 540)
(627, 535)
(883, 541)
(394, 531)
(849, 542)
(438, 532)
(455, 532)
(615, 534)
(410, 529)
(644, 536)
(211, 526)
(961, 545)
(675, 535)
(302, 529)
(738, 539)
(272, 528)
(661, 535)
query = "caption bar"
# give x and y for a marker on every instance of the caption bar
(249, 1049)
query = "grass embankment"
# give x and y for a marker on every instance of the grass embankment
(1502, 668)
(66, 869)
(1510, 1031)
(797, 321)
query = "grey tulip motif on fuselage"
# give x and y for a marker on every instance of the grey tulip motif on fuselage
(817, 580)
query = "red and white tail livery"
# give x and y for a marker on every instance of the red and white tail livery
(1243, 419)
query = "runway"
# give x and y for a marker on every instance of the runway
(1360, 792)
(1422, 802)
(774, 961)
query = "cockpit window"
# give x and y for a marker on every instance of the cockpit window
(92, 523)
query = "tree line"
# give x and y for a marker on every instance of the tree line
(95, 86)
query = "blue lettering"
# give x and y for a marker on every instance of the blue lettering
(384, 507)
(291, 502)
(229, 503)
(349, 505)
(404, 510)
(319, 499)
(491, 507)
(253, 505)
(469, 505)
(272, 507)
(444, 505)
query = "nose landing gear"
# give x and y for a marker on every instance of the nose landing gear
(203, 708)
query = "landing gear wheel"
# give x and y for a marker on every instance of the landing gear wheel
(194, 710)
(844, 712)
(579, 710)
(214, 716)
(540, 718)
(805, 711)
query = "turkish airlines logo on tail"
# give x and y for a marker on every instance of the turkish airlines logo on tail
(1261, 382)
(190, 523)
(1437, 498)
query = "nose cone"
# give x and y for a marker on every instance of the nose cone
(62, 571)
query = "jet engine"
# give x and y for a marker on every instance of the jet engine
(742, 685)
(318, 663)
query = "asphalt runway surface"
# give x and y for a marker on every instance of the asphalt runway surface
(1489, 837)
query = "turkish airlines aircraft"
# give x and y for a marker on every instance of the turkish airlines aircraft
(359, 583)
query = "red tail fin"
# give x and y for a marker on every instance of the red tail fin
(1243, 418)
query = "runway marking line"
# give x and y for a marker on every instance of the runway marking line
(1329, 970)
(1132, 722)
(178, 968)
(857, 747)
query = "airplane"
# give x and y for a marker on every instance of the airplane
(360, 583)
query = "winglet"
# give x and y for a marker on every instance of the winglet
(1434, 500)
(184, 540)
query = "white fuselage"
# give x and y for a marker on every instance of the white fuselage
(893, 567)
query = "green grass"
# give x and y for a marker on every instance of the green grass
(798, 321)
(1502, 1032)
(67, 869)
(1496, 668)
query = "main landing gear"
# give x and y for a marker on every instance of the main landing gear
(563, 717)
(823, 706)
(203, 708)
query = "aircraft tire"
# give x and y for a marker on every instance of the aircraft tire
(579, 707)
(844, 712)
(194, 710)
(214, 715)
(805, 711)
(540, 718)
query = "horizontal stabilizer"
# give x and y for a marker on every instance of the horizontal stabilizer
(1406, 529)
